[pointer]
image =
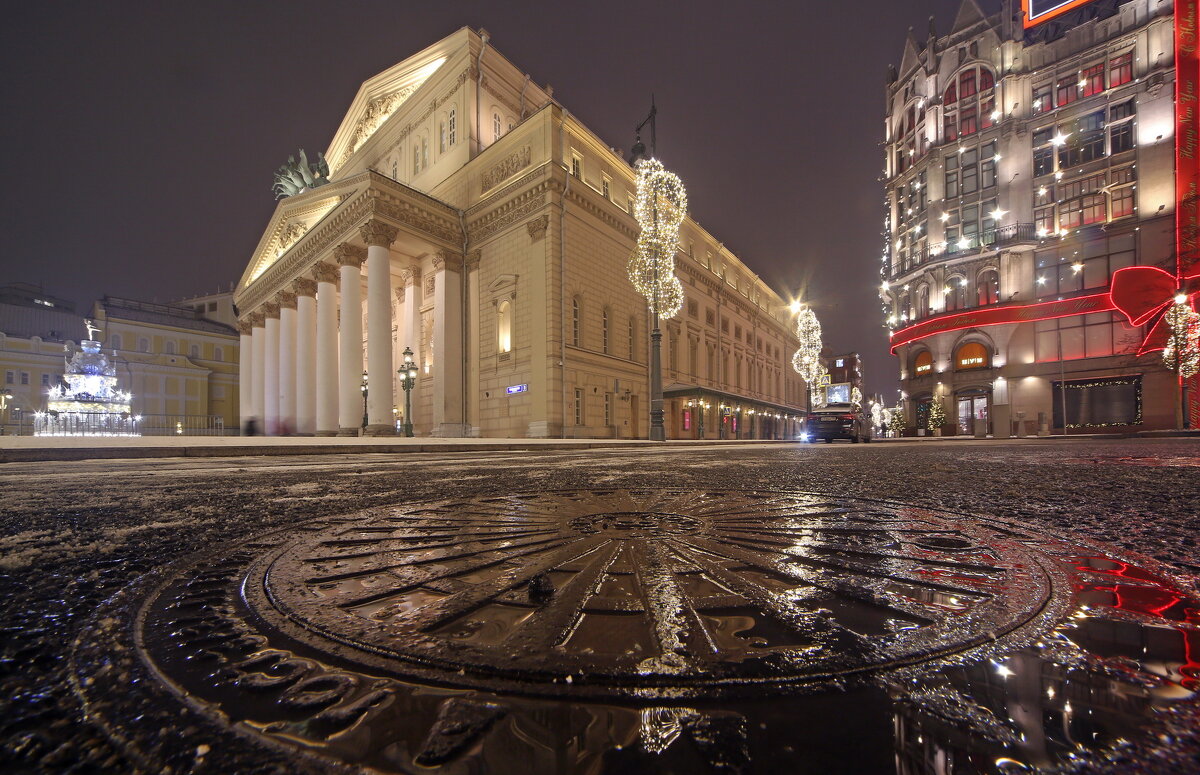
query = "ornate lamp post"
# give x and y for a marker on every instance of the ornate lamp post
(408, 380)
(364, 392)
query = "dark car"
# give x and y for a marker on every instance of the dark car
(838, 421)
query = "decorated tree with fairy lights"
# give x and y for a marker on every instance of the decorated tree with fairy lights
(896, 421)
(1182, 353)
(936, 417)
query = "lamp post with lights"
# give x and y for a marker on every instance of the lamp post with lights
(363, 387)
(408, 380)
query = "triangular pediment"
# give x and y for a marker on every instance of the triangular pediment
(381, 97)
(969, 14)
(294, 217)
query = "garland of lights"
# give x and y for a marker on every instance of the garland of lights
(660, 207)
(1185, 338)
(1135, 381)
(807, 360)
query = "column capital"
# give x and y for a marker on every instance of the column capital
(349, 255)
(447, 259)
(472, 262)
(257, 319)
(271, 310)
(245, 326)
(325, 272)
(399, 291)
(377, 233)
(286, 300)
(410, 274)
(304, 286)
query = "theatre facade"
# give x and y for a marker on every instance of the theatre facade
(469, 219)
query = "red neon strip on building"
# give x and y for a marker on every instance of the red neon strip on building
(996, 316)
(1045, 15)
(1187, 136)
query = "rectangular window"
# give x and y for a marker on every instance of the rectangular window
(578, 406)
(967, 122)
(1122, 202)
(608, 408)
(1067, 91)
(987, 167)
(1120, 138)
(45, 380)
(10, 377)
(970, 178)
(576, 165)
(1041, 99)
(952, 176)
(24, 378)
(1093, 79)
(1043, 220)
(1094, 209)
(967, 84)
(950, 127)
(986, 109)
(1043, 161)
(1120, 70)
(606, 187)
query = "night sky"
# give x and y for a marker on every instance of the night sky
(139, 140)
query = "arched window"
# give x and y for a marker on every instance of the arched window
(194, 351)
(504, 327)
(114, 341)
(218, 353)
(495, 127)
(922, 301)
(416, 158)
(170, 347)
(923, 364)
(453, 121)
(905, 308)
(956, 294)
(987, 287)
(442, 137)
(575, 322)
(143, 345)
(969, 103)
(424, 152)
(604, 330)
(972, 355)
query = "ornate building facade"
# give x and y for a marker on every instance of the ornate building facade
(472, 220)
(1024, 168)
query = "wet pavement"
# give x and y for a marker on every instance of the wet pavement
(931, 608)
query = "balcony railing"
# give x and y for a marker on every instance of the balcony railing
(992, 238)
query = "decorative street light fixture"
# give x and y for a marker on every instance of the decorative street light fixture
(364, 392)
(660, 208)
(408, 380)
(807, 360)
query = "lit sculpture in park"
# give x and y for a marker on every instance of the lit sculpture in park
(89, 403)
(296, 177)
(660, 208)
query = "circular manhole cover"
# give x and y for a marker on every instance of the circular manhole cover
(628, 592)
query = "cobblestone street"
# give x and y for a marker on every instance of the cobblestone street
(473, 655)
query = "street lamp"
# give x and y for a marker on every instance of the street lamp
(408, 380)
(364, 392)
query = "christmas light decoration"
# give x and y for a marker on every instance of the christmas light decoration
(856, 396)
(878, 415)
(937, 415)
(660, 207)
(896, 421)
(1182, 353)
(807, 359)
(87, 402)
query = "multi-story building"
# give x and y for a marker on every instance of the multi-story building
(1024, 167)
(472, 221)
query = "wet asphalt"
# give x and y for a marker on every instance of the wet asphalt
(74, 533)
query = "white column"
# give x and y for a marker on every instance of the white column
(411, 325)
(350, 340)
(379, 237)
(258, 368)
(245, 371)
(327, 354)
(271, 371)
(448, 353)
(287, 362)
(306, 318)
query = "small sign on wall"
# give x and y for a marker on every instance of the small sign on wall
(514, 389)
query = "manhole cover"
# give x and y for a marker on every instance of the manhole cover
(404, 636)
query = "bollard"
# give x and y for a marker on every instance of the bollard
(980, 428)
(1043, 424)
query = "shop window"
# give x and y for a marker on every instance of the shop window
(972, 355)
(1098, 403)
(923, 364)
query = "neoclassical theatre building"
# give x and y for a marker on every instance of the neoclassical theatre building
(470, 218)
(1027, 163)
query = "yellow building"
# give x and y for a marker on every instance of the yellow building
(471, 218)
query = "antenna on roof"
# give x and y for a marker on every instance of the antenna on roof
(639, 148)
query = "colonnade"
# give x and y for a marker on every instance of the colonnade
(303, 350)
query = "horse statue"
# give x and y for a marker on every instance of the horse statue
(296, 177)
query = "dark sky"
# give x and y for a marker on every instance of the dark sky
(140, 138)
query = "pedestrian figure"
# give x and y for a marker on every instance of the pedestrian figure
(251, 427)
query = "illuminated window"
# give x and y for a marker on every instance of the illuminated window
(1097, 335)
(578, 406)
(923, 364)
(987, 287)
(1093, 79)
(453, 121)
(955, 294)
(1120, 70)
(1042, 99)
(442, 137)
(969, 97)
(496, 129)
(972, 355)
(1067, 91)
(504, 327)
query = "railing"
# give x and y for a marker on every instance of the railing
(992, 238)
(184, 425)
(108, 424)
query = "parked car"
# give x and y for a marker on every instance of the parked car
(838, 421)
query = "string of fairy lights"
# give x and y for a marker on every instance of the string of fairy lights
(1182, 353)
(660, 207)
(807, 359)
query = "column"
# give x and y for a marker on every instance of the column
(271, 370)
(287, 362)
(410, 328)
(306, 318)
(379, 237)
(350, 339)
(245, 371)
(258, 367)
(448, 417)
(327, 354)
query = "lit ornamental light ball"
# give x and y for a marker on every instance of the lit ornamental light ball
(660, 208)
(807, 360)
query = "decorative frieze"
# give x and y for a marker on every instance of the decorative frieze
(377, 233)
(290, 236)
(514, 214)
(346, 254)
(509, 166)
(537, 227)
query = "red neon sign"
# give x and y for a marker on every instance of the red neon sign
(1034, 12)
